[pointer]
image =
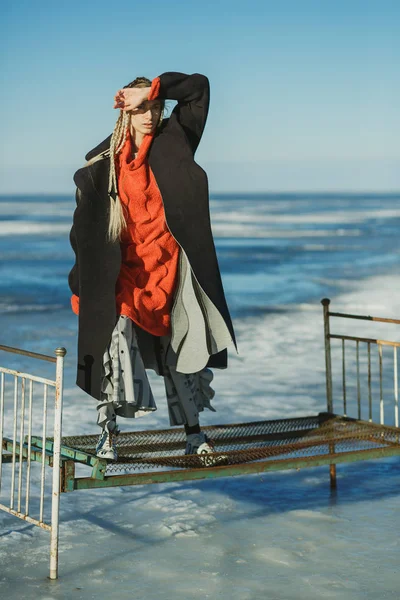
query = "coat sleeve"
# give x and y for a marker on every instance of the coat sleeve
(73, 277)
(192, 92)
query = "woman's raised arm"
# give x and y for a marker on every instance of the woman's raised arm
(193, 95)
(192, 92)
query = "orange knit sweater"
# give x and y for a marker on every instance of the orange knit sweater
(146, 282)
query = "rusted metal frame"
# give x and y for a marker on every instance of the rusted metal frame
(396, 388)
(2, 384)
(369, 340)
(375, 437)
(69, 453)
(67, 476)
(82, 483)
(380, 428)
(381, 404)
(35, 452)
(328, 359)
(27, 353)
(311, 441)
(25, 517)
(99, 465)
(357, 436)
(364, 318)
(66, 451)
(275, 452)
(378, 440)
(317, 438)
(177, 445)
(99, 469)
(265, 437)
(369, 384)
(358, 379)
(332, 469)
(332, 466)
(344, 378)
(319, 418)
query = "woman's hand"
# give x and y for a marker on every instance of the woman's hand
(130, 98)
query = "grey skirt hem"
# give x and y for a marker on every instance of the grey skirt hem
(126, 391)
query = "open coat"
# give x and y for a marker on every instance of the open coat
(184, 189)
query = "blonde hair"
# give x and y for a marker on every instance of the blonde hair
(117, 222)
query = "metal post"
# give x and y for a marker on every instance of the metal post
(14, 449)
(43, 470)
(67, 476)
(55, 505)
(28, 470)
(358, 379)
(381, 405)
(369, 384)
(328, 363)
(1, 423)
(332, 473)
(328, 372)
(396, 389)
(21, 442)
(344, 378)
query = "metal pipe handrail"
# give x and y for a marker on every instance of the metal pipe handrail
(367, 340)
(365, 318)
(21, 375)
(328, 360)
(27, 353)
(326, 302)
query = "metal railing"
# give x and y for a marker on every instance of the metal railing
(18, 450)
(368, 343)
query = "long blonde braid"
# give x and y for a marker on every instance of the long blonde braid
(117, 219)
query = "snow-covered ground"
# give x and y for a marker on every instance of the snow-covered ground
(276, 536)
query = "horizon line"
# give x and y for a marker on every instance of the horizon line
(233, 193)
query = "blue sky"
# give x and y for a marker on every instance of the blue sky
(304, 94)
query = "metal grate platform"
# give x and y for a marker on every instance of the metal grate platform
(281, 440)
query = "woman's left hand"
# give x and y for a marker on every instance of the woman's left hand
(130, 98)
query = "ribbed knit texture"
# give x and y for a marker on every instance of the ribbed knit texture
(146, 282)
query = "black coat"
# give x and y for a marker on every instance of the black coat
(184, 190)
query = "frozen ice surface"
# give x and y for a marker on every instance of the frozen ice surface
(276, 536)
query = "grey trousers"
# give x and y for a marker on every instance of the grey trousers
(126, 389)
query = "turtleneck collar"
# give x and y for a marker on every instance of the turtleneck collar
(126, 160)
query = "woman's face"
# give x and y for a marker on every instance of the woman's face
(146, 116)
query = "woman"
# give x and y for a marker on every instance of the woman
(146, 282)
